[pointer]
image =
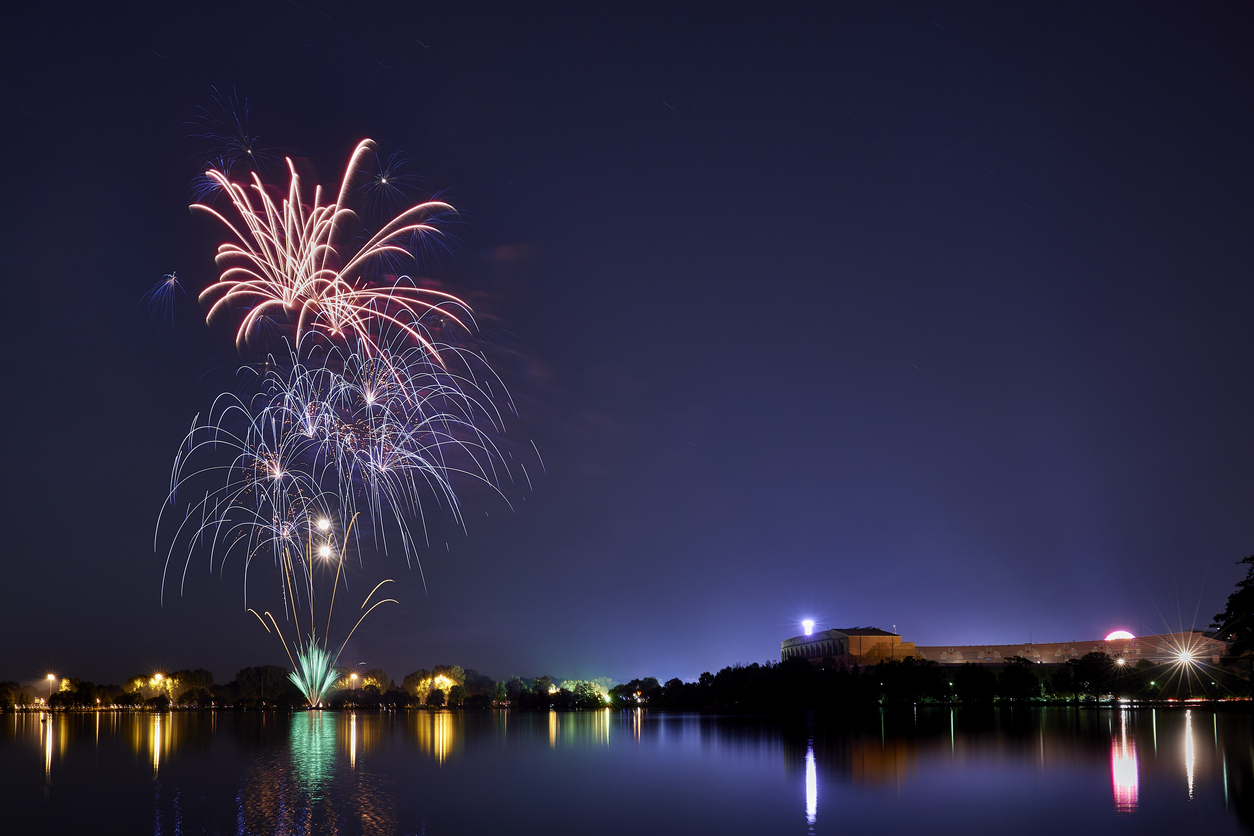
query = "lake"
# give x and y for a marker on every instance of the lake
(938, 770)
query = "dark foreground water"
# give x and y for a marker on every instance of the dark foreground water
(1023, 771)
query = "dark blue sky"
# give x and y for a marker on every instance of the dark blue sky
(915, 314)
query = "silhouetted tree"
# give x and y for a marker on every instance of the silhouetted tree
(1236, 622)
(910, 680)
(1093, 673)
(476, 683)
(975, 684)
(1062, 681)
(264, 682)
(1018, 680)
(515, 688)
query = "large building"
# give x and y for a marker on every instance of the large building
(848, 646)
(869, 645)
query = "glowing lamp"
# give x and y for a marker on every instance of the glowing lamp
(808, 626)
(1119, 662)
(1186, 656)
(324, 551)
(1119, 635)
(52, 677)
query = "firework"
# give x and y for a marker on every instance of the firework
(371, 411)
(374, 435)
(296, 264)
(165, 297)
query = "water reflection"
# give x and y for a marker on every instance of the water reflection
(46, 731)
(435, 733)
(812, 787)
(365, 772)
(1123, 769)
(1188, 750)
(352, 740)
(152, 738)
(156, 745)
(299, 789)
(442, 740)
(312, 744)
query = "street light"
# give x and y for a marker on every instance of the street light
(52, 677)
(808, 625)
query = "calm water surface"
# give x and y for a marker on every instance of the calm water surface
(932, 770)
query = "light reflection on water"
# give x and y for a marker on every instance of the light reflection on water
(156, 745)
(1123, 772)
(406, 772)
(812, 787)
(1188, 749)
(312, 745)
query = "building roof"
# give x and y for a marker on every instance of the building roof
(864, 631)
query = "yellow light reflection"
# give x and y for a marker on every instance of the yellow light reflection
(1188, 750)
(1124, 778)
(352, 740)
(602, 727)
(443, 737)
(812, 786)
(552, 729)
(156, 744)
(47, 733)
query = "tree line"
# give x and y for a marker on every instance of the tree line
(794, 684)
(269, 686)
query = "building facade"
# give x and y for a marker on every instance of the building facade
(869, 645)
(1168, 647)
(847, 646)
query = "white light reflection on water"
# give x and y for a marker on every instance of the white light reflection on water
(812, 786)
(1188, 750)
(1124, 778)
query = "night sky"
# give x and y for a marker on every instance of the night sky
(923, 315)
